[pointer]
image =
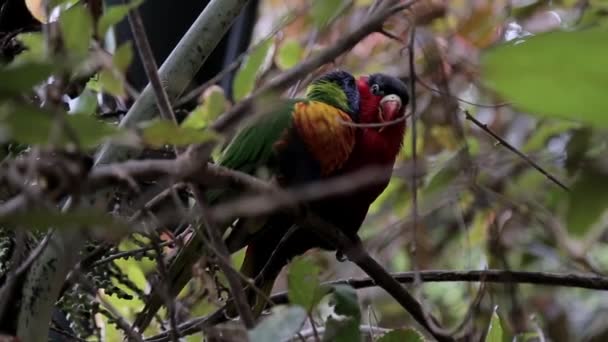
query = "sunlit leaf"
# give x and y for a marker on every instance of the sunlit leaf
(162, 132)
(322, 11)
(23, 77)
(245, 78)
(214, 104)
(113, 15)
(303, 282)
(587, 201)
(495, 333)
(480, 29)
(289, 54)
(402, 335)
(76, 28)
(558, 74)
(281, 325)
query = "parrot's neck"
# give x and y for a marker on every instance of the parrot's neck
(329, 93)
(379, 147)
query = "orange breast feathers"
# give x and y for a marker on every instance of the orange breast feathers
(323, 131)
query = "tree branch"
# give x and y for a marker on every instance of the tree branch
(180, 67)
(592, 282)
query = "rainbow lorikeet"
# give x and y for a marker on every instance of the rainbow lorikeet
(383, 98)
(305, 140)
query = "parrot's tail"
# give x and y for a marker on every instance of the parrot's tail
(258, 292)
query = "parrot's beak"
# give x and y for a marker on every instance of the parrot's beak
(390, 108)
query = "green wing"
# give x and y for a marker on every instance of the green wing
(249, 150)
(253, 145)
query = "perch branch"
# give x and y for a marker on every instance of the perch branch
(592, 282)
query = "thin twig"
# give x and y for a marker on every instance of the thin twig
(511, 148)
(236, 288)
(475, 104)
(162, 270)
(149, 64)
(120, 321)
(412, 66)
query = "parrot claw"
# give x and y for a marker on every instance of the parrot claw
(340, 256)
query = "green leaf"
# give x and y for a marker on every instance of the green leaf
(289, 54)
(159, 133)
(109, 83)
(576, 150)
(282, 324)
(85, 103)
(559, 74)
(91, 132)
(76, 28)
(245, 78)
(495, 333)
(402, 335)
(41, 219)
(587, 201)
(346, 328)
(113, 15)
(214, 104)
(123, 56)
(324, 11)
(303, 283)
(35, 49)
(23, 77)
(16, 122)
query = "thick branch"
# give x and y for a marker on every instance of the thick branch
(180, 67)
(176, 73)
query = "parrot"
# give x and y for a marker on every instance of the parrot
(383, 99)
(304, 140)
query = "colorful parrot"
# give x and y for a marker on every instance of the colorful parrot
(304, 141)
(383, 99)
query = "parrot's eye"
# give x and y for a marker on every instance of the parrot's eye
(376, 90)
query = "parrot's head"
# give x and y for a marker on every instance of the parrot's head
(338, 88)
(383, 98)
